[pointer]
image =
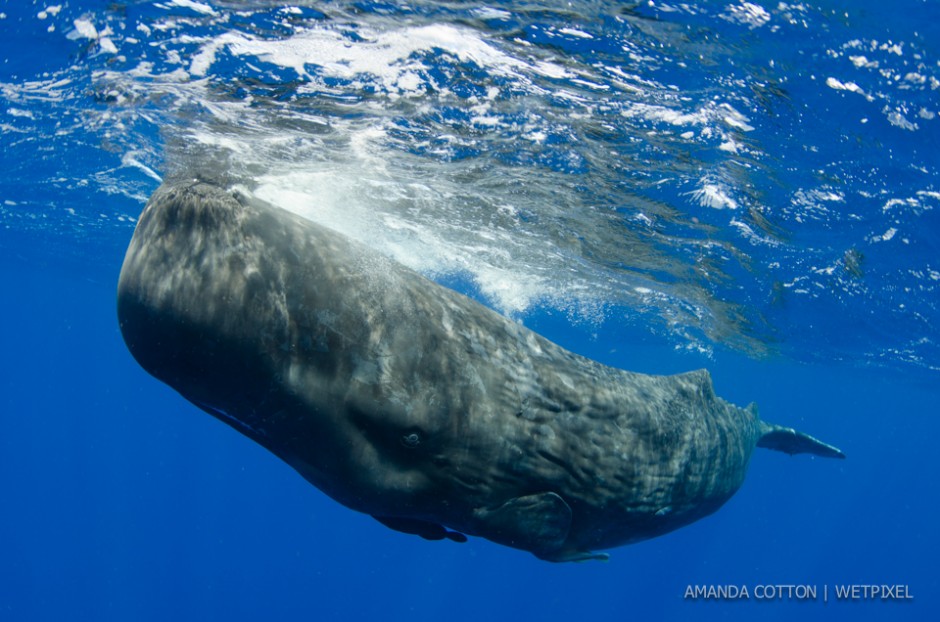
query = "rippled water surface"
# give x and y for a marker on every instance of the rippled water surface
(721, 174)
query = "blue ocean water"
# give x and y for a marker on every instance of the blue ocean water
(749, 187)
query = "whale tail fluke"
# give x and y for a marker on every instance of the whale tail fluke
(792, 442)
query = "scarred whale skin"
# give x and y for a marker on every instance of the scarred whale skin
(410, 402)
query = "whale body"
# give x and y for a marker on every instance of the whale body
(405, 400)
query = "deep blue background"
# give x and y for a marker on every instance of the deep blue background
(121, 501)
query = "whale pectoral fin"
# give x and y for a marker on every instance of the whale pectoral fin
(578, 556)
(425, 529)
(538, 523)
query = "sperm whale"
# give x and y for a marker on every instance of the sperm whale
(405, 400)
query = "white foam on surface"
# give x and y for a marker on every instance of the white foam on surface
(390, 58)
(199, 7)
(851, 87)
(714, 195)
(747, 13)
(49, 11)
(84, 29)
(574, 32)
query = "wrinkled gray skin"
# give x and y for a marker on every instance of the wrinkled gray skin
(405, 400)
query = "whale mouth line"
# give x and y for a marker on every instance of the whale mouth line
(232, 420)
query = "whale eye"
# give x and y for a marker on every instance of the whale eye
(411, 440)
